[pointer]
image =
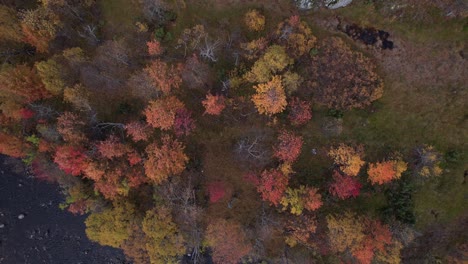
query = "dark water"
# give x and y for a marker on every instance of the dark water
(46, 234)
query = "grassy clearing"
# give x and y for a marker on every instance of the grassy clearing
(119, 17)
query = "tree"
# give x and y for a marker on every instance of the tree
(228, 241)
(386, 171)
(300, 229)
(272, 185)
(344, 79)
(254, 20)
(347, 158)
(154, 48)
(78, 96)
(161, 113)
(112, 148)
(254, 48)
(10, 29)
(296, 35)
(164, 243)
(345, 231)
(71, 160)
(299, 112)
(12, 146)
(71, 127)
(111, 226)
(427, 161)
(183, 123)
(289, 147)
(165, 159)
(302, 198)
(272, 62)
(270, 97)
(214, 104)
(22, 84)
(138, 131)
(39, 27)
(164, 77)
(344, 186)
(51, 75)
(216, 191)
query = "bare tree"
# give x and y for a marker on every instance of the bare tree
(208, 50)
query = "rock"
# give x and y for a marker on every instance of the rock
(304, 4)
(21, 216)
(2, 225)
(334, 4)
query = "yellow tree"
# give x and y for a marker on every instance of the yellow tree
(347, 158)
(111, 226)
(272, 62)
(345, 231)
(270, 97)
(164, 242)
(254, 20)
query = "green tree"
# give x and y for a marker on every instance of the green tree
(51, 74)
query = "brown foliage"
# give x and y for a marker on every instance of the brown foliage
(299, 111)
(22, 84)
(12, 146)
(71, 127)
(138, 131)
(296, 35)
(342, 78)
(228, 241)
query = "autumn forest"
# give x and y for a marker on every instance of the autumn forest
(245, 131)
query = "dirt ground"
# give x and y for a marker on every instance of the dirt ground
(45, 234)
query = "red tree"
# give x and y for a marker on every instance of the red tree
(183, 123)
(289, 146)
(214, 104)
(154, 47)
(272, 185)
(299, 111)
(344, 186)
(216, 191)
(71, 160)
(312, 200)
(161, 113)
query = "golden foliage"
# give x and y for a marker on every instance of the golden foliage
(347, 158)
(270, 97)
(254, 20)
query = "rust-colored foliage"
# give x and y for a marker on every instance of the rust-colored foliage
(22, 84)
(299, 111)
(344, 79)
(296, 35)
(344, 186)
(134, 246)
(289, 146)
(214, 104)
(133, 158)
(254, 48)
(138, 131)
(71, 160)
(272, 185)
(161, 113)
(164, 77)
(112, 148)
(165, 159)
(347, 158)
(71, 127)
(216, 191)
(228, 241)
(154, 47)
(377, 238)
(386, 171)
(183, 123)
(12, 146)
(270, 97)
(312, 200)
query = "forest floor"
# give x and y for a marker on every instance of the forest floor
(45, 234)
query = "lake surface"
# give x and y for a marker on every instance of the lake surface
(33, 229)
